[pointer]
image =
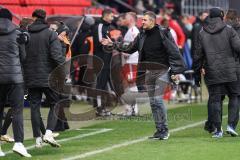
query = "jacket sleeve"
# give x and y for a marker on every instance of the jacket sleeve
(22, 39)
(131, 47)
(56, 49)
(195, 32)
(235, 41)
(175, 58)
(198, 60)
(22, 52)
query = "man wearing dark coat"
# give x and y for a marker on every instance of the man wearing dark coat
(215, 53)
(44, 54)
(12, 55)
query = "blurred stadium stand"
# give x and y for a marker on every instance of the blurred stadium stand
(24, 8)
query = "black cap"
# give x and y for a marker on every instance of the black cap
(39, 13)
(62, 27)
(5, 13)
(216, 12)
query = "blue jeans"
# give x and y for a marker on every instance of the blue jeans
(155, 88)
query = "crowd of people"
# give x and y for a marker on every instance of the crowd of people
(141, 5)
(31, 55)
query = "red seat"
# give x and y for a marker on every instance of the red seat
(68, 10)
(13, 8)
(37, 2)
(26, 11)
(83, 3)
(9, 2)
(49, 10)
(86, 3)
(99, 11)
(95, 10)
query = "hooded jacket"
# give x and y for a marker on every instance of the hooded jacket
(11, 53)
(44, 54)
(215, 51)
(236, 26)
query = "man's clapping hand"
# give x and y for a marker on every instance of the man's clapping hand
(106, 41)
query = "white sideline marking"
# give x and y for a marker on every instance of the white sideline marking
(89, 129)
(91, 153)
(98, 131)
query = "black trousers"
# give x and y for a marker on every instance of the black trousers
(102, 80)
(62, 123)
(35, 97)
(15, 95)
(216, 93)
(7, 121)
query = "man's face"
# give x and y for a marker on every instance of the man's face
(62, 35)
(109, 17)
(129, 20)
(53, 27)
(203, 16)
(147, 22)
(121, 21)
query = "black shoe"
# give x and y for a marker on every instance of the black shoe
(156, 135)
(160, 135)
(165, 135)
(209, 126)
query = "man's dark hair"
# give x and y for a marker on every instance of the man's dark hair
(106, 12)
(232, 15)
(122, 15)
(25, 22)
(39, 13)
(202, 12)
(5, 13)
(216, 12)
(151, 15)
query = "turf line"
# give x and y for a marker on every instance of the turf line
(91, 153)
(99, 131)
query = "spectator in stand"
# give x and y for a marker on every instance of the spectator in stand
(181, 38)
(165, 23)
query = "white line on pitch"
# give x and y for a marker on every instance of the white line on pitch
(91, 153)
(89, 129)
(99, 131)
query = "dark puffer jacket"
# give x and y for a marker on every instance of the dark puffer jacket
(215, 52)
(44, 54)
(11, 54)
(236, 26)
(168, 49)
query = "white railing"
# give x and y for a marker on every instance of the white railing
(193, 7)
